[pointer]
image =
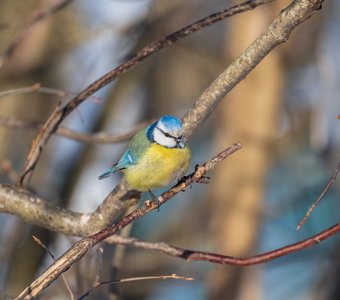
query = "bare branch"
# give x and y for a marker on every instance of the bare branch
(59, 114)
(130, 279)
(35, 88)
(277, 33)
(38, 88)
(100, 252)
(35, 210)
(95, 138)
(325, 190)
(193, 255)
(42, 245)
(81, 248)
(78, 250)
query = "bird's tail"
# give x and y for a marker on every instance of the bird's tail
(108, 173)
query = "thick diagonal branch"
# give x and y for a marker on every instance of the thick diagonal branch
(78, 250)
(277, 33)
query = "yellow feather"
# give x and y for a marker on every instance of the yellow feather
(158, 167)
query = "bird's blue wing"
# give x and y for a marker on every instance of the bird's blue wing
(126, 160)
(138, 145)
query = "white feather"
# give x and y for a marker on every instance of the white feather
(163, 140)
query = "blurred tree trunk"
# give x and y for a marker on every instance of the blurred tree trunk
(249, 115)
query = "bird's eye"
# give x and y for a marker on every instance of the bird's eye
(167, 134)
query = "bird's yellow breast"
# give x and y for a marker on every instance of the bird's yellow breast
(158, 167)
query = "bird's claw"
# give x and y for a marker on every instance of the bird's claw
(154, 199)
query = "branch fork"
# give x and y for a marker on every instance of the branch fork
(78, 250)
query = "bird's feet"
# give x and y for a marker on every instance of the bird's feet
(154, 199)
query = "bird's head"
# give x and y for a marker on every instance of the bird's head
(168, 132)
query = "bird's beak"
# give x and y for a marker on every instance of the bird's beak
(181, 142)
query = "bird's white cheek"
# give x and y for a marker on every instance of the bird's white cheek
(161, 139)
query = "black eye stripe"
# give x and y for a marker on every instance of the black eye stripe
(165, 133)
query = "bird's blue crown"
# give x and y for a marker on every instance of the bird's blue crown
(169, 124)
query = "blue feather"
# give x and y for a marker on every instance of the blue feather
(108, 173)
(126, 161)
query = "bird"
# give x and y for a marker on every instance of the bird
(156, 156)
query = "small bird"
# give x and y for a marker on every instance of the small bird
(156, 156)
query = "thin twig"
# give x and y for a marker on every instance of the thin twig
(42, 15)
(100, 252)
(325, 190)
(59, 114)
(38, 88)
(35, 88)
(130, 279)
(42, 245)
(94, 138)
(78, 250)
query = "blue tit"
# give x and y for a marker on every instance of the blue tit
(156, 156)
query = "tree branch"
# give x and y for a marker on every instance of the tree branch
(94, 138)
(277, 33)
(42, 245)
(35, 88)
(59, 114)
(35, 210)
(325, 190)
(78, 250)
(130, 279)
(193, 255)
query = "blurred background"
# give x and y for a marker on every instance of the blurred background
(284, 114)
